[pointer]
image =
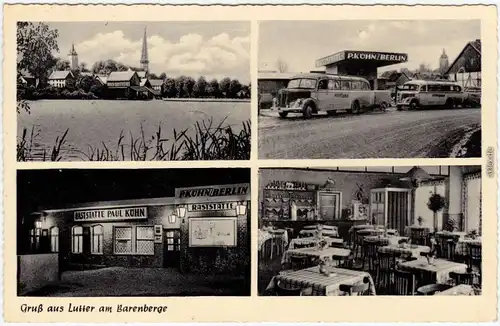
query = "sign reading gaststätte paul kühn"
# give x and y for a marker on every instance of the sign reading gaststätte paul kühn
(111, 214)
(219, 191)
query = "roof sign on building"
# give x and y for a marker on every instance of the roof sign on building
(382, 57)
(104, 215)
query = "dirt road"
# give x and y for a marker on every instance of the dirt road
(392, 134)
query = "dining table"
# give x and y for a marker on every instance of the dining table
(264, 235)
(313, 252)
(325, 232)
(321, 284)
(310, 241)
(409, 250)
(461, 248)
(438, 270)
(385, 240)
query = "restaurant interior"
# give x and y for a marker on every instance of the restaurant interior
(394, 230)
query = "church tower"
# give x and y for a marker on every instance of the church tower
(144, 54)
(73, 58)
(443, 62)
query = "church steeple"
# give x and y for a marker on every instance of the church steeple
(73, 57)
(144, 53)
(443, 62)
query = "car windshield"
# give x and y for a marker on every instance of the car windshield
(302, 83)
(409, 87)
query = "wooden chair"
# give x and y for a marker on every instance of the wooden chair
(344, 262)
(462, 278)
(419, 236)
(431, 289)
(385, 268)
(299, 262)
(474, 258)
(358, 289)
(281, 291)
(403, 284)
(278, 247)
(265, 254)
(358, 244)
(369, 254)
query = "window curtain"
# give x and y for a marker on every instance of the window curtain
(472, 202)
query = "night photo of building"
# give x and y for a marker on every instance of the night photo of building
(142, 232)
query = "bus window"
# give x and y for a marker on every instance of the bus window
(345, 85)
(457, 88)
(331, 84)
(323, 84)
(423, 88)
(434, 88)
(365, 86)
(337, 84)
(355, 85)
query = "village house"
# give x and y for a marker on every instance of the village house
(466, 68)
(123, 84)
(60, 79)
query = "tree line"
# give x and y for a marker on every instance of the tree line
(36, 43)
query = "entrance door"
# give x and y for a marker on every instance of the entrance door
(171, 248)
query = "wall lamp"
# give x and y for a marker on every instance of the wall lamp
(241, 209)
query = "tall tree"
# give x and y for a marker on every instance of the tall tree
(234, 88)
(35, 44)
(213, 88)
(188, 86)
(169, 89)
(200, 88)
(163, 76)
(224, 86)
(62, 64)
(83, 67)
(85, 82)
(179, 86)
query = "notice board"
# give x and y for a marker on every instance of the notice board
(212, 232)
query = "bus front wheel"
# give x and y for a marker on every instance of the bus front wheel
(283, 114)
(414, 105)
(355, 108)
(307, 111)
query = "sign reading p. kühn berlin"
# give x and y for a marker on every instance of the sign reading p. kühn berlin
(111, 214)
(214, 191)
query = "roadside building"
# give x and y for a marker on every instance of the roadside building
(269, 83)
(123, 85)
(27, 79)
(201, 229)
(156, 84)
(61, 79)
(466, 68)
(391, 79)
(360, 63)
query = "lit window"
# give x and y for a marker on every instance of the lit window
(123, 240)
(54, 239)
(145, 240)
(97, 239)
(77, 240)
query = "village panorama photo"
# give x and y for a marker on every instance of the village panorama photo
(133, 91)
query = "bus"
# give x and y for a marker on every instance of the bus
(320, 92)
(417, 94)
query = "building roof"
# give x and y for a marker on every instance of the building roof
(60, 74)
(143, 81)
(275, 75)
(86, 74)
(318, 75)
(103, 79)
(476, 45)
(156, 82)
(141, 74)
(116, 76)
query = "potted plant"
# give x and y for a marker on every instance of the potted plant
(472, 234)
(324, 263)
(435, 204)
(420, 220)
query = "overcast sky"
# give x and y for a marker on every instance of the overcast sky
(212, 49)
(300, 43)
